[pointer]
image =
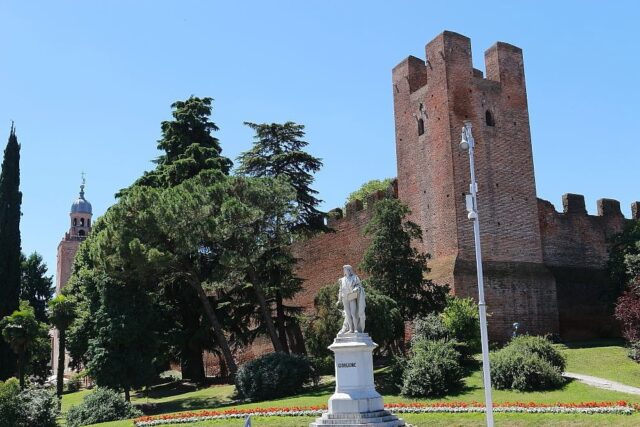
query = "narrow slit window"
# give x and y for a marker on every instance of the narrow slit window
(420, 126)
(489, 118)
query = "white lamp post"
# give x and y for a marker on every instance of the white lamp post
(468, 143)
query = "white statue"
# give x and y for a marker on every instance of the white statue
(351, 295)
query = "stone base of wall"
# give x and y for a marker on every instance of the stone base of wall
(514, 291)
(585, 303)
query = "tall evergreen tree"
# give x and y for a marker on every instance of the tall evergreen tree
(35, 286)
(278, 152)
(395, 267)
(10, 201)
(188, 149)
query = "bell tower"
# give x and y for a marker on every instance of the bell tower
(79, 229)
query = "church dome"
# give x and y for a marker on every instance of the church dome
(81, 205)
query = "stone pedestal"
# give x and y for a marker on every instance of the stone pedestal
(355, 401)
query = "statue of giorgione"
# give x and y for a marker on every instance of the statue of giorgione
(351, 295)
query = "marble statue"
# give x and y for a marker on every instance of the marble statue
(351, 295)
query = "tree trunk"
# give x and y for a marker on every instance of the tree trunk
(216, 327)
(266, 314)
(21, 369)
(191, 363)
(60, 368)
(127, 395)
(280, 319)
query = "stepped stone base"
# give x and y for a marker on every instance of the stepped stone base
(361, 419)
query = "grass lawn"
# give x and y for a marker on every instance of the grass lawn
(605, 359)
(608, 361)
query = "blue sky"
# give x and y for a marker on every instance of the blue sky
(88, 83)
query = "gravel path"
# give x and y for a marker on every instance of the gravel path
(602, 383)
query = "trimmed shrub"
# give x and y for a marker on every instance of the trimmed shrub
(434, 369)
(323, 365)
(99, 406)
(37, 407)
(462, 320)
(29, 407)
(75, 382)
(541, 347)
(430, 327)
(523, 371)
(273, 375)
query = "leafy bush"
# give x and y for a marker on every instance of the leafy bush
(323, 365)
(26, 408)
(434, 369)
(541, 347)
(634, 350)
(430, 327)
(75, 382)
(9, 391)
(37, 407)
(100, 406)
(273, 375)
(462, 320)
(512, 369)
(369, 188)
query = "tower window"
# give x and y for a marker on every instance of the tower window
(88, 222)
(489, 118)
(81, 222)
(75, 221)
(420, 126)
(81, 233)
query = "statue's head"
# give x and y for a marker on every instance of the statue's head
(348, 270)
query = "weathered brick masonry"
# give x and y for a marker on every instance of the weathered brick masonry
(543, 269)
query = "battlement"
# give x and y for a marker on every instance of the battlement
(574, 204)
(450, 53)
(352, 209)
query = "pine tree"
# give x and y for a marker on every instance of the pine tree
(278, 152)
(10, 200)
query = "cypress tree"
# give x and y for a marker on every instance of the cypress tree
(10, 200)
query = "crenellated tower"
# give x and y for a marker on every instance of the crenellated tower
(432, 99)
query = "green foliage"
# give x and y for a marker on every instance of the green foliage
(433, 370)
(430, 327)
(61, 315)
(462, 320)
(541, 347)
(75, 382)
(273, 375)
(278, 152)
(26, 408)
(527, 363)
(624, 247)
(187, 145)
(20, 330)
(121, 353)
(368, 188)
(10, 201)
(100, 406)
(35, 286)
(320, 331)
(37, 407)
(395, 267)
(9, 391)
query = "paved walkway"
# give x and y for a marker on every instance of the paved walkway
(602, 383)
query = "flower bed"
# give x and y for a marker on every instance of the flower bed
(620, 407)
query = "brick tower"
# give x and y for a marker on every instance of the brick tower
(432, 99)
(79, 229)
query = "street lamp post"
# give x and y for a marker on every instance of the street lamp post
(468, 143)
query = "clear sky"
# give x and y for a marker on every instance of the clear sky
(88, 83)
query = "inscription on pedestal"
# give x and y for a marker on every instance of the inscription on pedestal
(347, 365)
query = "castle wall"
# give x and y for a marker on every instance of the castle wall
(320, 258)
(576, 250)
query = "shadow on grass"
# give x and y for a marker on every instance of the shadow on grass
(604, 342)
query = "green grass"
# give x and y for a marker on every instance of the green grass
(605, 359)
(608, 361)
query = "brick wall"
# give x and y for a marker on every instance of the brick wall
(320, 258)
